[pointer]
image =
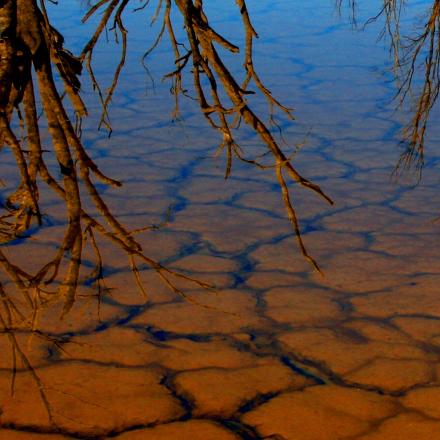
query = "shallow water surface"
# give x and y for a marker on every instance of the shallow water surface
(276, 350)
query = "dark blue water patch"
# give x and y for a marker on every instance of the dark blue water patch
(246, 267)
(180, 204)
(161, 335)
(102, 327)
(302, 371)
(183, 173)
(17, 240)
(308, 228)
(245, 432)
(257, 401)
(168, 382)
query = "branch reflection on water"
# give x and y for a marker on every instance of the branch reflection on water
(416, 59)
(33, 58)
(421, 51)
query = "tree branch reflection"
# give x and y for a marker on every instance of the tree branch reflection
(423, 49)
(33, 60)
(32, 56)
(414, 56)
(207, 63)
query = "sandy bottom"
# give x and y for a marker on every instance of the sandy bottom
(276, 351)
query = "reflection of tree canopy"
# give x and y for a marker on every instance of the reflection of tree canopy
(31, 48)
(207, 63)
(32, 59)
(33, 56)
(423, 49)
(416, 61)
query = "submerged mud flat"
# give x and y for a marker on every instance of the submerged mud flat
(275, 350)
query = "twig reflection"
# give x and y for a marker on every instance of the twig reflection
(29, 47)
(208, 64)
(32, 57)
(414, 56)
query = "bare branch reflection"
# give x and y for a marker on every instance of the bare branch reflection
(424, 50)
(208, 64)
(416, 60)
(29, 47)
(33, 61)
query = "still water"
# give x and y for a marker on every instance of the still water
(274, 349)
